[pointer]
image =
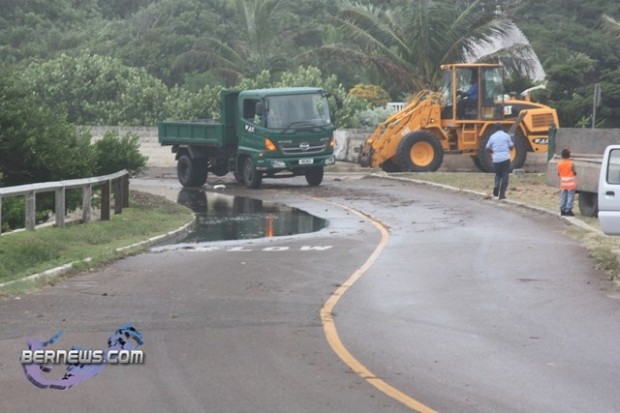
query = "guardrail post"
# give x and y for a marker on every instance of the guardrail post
(31, 206)
(125, 181)
(118, 196)
(0, 214)
(105, 201)
(87, 193)
(60, 207)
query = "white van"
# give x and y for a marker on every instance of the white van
(609, 191)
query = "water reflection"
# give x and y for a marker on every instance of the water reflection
(223, 217)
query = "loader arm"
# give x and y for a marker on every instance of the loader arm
(382, 144)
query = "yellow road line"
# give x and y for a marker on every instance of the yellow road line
(329, 327)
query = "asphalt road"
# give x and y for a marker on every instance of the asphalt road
(431, 301)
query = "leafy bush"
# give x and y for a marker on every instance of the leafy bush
(373, 94)
(114, 153)
(98, 90)
(371, 118)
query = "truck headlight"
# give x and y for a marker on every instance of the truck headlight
(278, 164)
(330, 161)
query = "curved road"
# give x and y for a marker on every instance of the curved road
(461, 305)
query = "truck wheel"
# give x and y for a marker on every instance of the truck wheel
(588, 204)
(419, 152)
(251, 177)
(220, 170)
(314, 176)
(191, 172)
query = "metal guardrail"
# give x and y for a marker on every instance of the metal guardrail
(116, 183)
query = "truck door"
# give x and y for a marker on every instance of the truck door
(609, 191)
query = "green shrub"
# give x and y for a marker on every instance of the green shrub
(114, 153)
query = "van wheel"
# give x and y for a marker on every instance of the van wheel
(419, 152)
(251, 177)
(191, 172)
(314, 176)
(588, 204)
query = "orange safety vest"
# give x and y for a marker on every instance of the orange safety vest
(567, 177)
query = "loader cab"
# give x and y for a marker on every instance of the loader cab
(473, 92)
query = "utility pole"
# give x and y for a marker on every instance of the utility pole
(596, 102)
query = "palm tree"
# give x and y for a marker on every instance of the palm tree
(255, 43)
(408, 43)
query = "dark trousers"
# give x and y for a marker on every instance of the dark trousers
(502, 171)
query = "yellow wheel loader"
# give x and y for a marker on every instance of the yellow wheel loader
(458, 119)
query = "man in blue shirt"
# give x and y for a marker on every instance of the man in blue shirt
(499, 146)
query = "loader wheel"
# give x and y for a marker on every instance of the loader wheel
(191, 172)
(419, 152)
(518, 154)
(390, 166)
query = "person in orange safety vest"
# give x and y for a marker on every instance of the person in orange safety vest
(568, 183)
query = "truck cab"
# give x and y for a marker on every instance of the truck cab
(283, 130)
(609, 191)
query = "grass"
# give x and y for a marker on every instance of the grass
(532, 189)
(30, 252)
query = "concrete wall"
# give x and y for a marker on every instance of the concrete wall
(587, 147)
(348, 144)
(586, 141)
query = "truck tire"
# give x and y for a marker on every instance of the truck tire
(588, 204)
(251, 177)
(191, 172)
(518, 155)
(419, 152)
(314, 176)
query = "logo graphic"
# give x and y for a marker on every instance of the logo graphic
(81, 364)
(304, 146)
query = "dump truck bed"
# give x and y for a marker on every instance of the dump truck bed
(203, 132)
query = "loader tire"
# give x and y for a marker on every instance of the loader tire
(419, 152)
(390, 166)
(518, 154)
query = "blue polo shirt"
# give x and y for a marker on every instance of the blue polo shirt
(500, 143)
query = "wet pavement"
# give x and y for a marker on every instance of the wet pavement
(222, 217)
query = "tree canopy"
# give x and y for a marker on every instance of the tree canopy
(186, 49)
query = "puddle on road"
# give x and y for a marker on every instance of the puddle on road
(223, 217)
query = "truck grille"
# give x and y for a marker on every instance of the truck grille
(302, 148)
(543, 120)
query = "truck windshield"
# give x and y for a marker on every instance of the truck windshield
(297, 111)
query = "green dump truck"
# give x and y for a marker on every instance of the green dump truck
(262, 133)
